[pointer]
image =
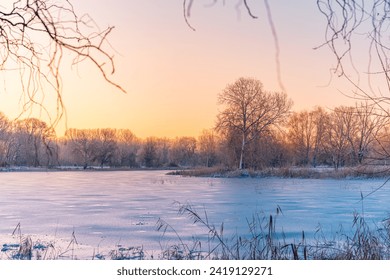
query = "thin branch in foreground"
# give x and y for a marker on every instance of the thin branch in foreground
(62, 33)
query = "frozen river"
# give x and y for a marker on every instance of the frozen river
(122, 207)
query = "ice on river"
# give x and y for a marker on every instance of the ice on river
(114, 209)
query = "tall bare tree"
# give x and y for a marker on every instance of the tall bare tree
(249, 110)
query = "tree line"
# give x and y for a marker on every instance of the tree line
(255, 129)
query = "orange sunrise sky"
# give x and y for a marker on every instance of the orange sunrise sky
(173, 75)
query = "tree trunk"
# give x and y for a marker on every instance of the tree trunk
(242, 152)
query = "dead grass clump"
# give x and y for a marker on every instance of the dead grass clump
(25, 248)
(126, 253)
(216, 171)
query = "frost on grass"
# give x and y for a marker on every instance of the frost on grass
(18, 246)
(36, 247)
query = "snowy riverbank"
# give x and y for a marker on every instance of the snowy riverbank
(322, 172)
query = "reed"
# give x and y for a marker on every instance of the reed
(266, 243)
(263, 242)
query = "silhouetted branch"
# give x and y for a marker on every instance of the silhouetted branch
(187, 12)
(187, 8)
(35, 35)
(353, 23)
(249, 9)
(276, 42)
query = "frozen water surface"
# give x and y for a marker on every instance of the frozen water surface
(122, 207)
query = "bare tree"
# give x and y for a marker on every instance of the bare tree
(369, 124)
(352, 134)
(269, 150)
(128, 146)
(182, 151)
(82, 145)
(381, 146)
(149, 152)
(35, 35)
(301, 133)
(36, 141)
(305, 132)
(336, 141)
(249, 111)
(321, 120)
(5, 140)
(208, 147)
(105, 145)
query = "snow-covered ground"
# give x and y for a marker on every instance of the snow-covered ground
(85, 215)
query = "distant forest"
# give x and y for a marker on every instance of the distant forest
(344, 136)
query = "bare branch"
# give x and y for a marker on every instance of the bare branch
(34, 37)
(249, 9)
(187, 12)
(276, 42)
(187, 8)
(357, 22)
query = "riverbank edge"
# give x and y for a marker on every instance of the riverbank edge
(358, 172)
(79, 169)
